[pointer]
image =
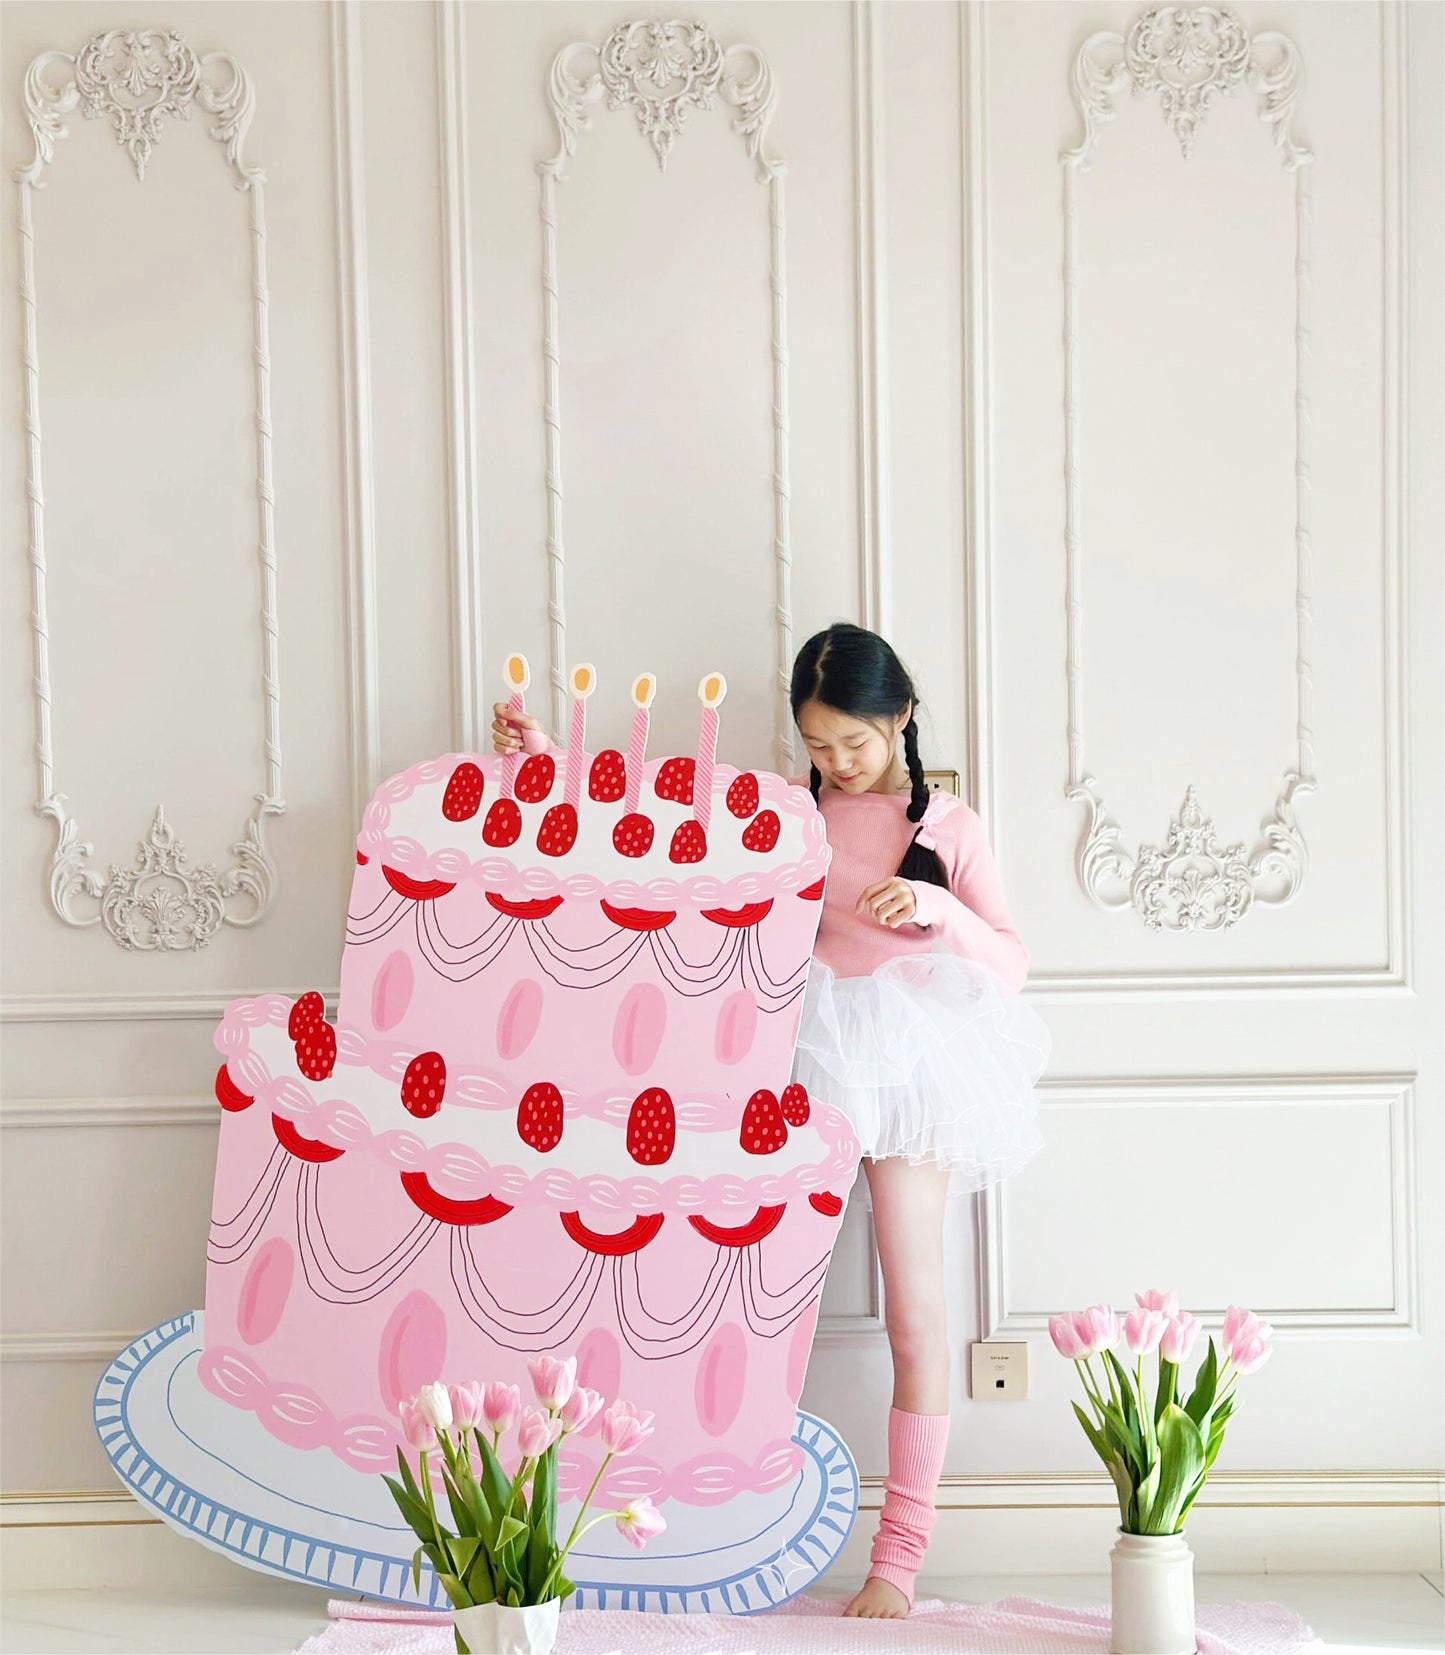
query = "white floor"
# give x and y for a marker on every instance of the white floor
(1375, 1613)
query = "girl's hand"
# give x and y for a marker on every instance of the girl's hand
(890, 902)
(507, 728)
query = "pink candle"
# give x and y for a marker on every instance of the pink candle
(518, 676)
(710, 692)
(584, 681)
(643, 690)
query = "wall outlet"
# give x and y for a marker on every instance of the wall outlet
(1000, 1372)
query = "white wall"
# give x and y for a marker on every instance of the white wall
(1250, 1115)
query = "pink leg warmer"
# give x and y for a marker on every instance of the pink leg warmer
(915, 1461)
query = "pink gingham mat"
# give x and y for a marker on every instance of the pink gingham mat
(1010, 1626)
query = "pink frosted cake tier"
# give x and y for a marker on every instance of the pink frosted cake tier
(552, 1114)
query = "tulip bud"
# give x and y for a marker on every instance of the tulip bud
(580, 1409)
(552, 1379)
(1179, 1338)
(624, 1429)
(466, 1404)
(1143, 1329)
(640, 1521)
(435, 1406)
(500, 1406)
(415, 1426)
(1066, 1338)
(536, 1433)
(1155, 1300)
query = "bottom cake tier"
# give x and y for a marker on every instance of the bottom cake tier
(338, 1285)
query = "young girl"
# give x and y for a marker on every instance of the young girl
(909, 1025)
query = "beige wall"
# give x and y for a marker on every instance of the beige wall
(1252, 1115)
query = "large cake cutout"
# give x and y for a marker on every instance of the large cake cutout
(552, 1113)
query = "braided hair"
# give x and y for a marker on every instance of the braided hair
(856, 672)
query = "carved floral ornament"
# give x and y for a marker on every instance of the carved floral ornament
(136, 80)
(1189, 57)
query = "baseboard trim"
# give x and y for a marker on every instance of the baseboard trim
(1056, 1523)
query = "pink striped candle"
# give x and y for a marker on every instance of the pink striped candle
(710, 692)
(584, 681)
(643, 690)
(518, 675)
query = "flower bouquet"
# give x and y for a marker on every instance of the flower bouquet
(499, 1562)
(1158, 1448)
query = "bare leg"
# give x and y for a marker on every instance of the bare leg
(908, 1207)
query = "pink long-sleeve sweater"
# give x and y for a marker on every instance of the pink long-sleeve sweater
(869, 833)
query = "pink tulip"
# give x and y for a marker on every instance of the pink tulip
(416, 1427)
(640, 1522)
(1179, 1338)
(1237, 1321)
(467, 1403)
(624, 1429)
(1155, 1300)
(536, 1433)
(500, 1406)
(580, 1409)
(1066, 1338)
(1250, 1351)
(1097, 1327)
(1143, 1329)
(553, 1380)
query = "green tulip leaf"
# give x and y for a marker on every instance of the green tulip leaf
(1206, 1382)
(1181, 1461)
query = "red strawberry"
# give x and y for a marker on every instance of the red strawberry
(539, 1117)
(309, 1009)
(424, 1084)
(316, 1051)
(463, 797)
(632, 836)
(764, 1129)
(651, 1128)
(558, 832)
(795, 1104)
(689, 843)
(743, 796)
(607, 780)
(761, 834)
(675, 779)
(503, 824)
(825, 1202)
(535, 778)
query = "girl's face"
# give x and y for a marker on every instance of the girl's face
(855, 755)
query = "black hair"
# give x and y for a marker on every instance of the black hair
(856, 672)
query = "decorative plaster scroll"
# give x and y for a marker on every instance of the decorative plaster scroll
(134, 79)
(1189, 57)
(662, 71)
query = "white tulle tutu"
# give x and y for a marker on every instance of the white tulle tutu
(931, 1060)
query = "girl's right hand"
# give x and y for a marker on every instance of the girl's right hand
(507, 728)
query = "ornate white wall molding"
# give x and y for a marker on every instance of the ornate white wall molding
(662, 71)
(1399, 1318)
(135, 79)
(1189, 57)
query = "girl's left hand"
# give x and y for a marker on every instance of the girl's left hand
(890, 902)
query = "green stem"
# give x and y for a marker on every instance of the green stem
(577, 1529)
(430, 1498)
(1091, 1385)
(576, 1535)
(1113, 1388)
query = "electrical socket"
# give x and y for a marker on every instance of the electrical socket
(1000, 1372)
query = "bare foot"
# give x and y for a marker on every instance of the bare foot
(878, 1601)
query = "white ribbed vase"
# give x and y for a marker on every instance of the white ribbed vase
(494, 1629)
(1153, 1595)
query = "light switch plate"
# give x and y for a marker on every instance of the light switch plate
(1000, 1372)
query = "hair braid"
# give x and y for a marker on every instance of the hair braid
(919, 802)
(815, 781)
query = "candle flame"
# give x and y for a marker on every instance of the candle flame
(643, 689)
(519, 674)
(584, 680)
(712, 689)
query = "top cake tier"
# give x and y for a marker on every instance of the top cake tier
(559, 825)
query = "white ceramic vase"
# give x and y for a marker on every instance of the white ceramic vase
(1153, 1595)
(494, 1629)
